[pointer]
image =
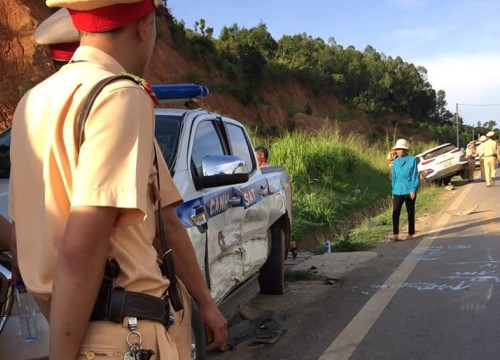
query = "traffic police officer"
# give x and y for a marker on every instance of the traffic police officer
(75, 207)
(59, 35)
(470, 155)
(489, 153)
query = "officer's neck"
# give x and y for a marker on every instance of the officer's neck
(123, 48)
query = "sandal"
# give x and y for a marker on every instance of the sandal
(394, 238)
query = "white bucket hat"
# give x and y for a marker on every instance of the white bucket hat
(402, 144)
(490, 134)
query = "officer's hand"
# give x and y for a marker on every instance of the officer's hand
(412, 195)
(216, 326)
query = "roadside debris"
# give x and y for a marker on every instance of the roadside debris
(463, 212)
(331, 281)
(266, 328)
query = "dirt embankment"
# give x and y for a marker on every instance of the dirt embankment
(23, 64)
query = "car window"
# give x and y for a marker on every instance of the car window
(439, 151)
(5, 154)
(240, 145)
(167, 134)
(206, 142)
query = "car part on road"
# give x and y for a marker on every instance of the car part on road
(263, 329)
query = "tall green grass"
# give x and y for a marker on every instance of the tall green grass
(333, 177)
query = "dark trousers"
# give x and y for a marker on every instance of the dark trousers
(472, 167)
(397, 204)
(481, 163)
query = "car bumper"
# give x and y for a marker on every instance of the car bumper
(444, 173)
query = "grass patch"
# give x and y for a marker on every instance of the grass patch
(430, 199)
(339, 183)
(332, 177)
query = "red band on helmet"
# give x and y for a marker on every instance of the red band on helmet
(110, 17)
(63, 52)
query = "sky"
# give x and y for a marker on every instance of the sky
(457, 41)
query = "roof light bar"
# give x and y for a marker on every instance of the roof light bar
(179, 92)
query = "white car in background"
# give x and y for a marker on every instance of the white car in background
(441, 163)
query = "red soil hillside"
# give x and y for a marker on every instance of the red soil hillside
(24, 64)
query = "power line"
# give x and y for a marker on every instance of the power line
(479, 104)
(459, 114)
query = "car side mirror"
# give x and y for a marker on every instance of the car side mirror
(219, 170)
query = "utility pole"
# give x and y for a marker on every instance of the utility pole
(456, 120)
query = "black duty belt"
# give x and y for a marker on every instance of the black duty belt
(114, 302)
(121, 303)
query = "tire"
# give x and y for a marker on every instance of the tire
(272, 273)
(445, 181)
(465, 173)
(198, 334)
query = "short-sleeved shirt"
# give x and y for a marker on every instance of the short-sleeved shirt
(489, 148)
(114, 167)
(480, 150)
(470, 152)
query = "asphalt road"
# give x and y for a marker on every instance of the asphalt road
(434, 297)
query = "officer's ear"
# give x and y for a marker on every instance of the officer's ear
(145, 26)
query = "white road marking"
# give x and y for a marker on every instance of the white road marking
(352, 335)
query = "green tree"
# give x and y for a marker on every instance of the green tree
(490, 125)
(257, 37)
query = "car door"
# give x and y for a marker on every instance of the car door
(255, 192)
(222, 207)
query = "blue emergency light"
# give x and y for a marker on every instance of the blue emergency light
(179, 92)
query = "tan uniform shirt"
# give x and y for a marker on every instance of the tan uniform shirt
(114, 167)
(480, 150)
(489, 148)
(470, 152)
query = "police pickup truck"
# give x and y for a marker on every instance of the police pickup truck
(238, 215)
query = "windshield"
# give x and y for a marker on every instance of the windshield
(167, 135)
(439, 151)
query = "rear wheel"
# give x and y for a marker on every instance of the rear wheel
(272, 273)
(465, 173)
(445, 181)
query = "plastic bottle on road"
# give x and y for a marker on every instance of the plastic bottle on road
(328, 246)
(27, 312)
